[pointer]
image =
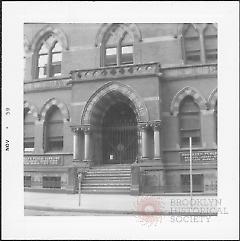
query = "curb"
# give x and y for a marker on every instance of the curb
(130, 212)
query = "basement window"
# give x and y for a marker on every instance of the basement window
(51, 182)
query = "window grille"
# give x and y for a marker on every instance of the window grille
(27, 181)
(197, 182)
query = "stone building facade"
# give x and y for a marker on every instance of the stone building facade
(120, 101)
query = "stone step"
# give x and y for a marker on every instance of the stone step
(107, 179)
(93, 177)
(105, 191)
(108, 166)
(106, 187)
(106, 184)
(103, 179)
(110, 179)
(109, 170)
(107, 175)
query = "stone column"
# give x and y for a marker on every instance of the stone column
(87, 143)
(39, 133)
(143, 129)
(157, 144)
(76, 143)
(202, 46)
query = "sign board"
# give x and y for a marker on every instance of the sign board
(198, 156)
(43, 160)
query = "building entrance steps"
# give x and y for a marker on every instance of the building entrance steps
(107, 179)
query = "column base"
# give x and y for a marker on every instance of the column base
(88, 162)
(76, 160)
(144, 159)
(158, 159)
(83, 163)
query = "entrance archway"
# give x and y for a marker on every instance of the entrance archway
(119, 135)
(113, 113)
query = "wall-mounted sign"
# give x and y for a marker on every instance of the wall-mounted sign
(199, 156)
(43, 160)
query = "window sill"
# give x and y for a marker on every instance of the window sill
(31, 150)
(182, 148)
(53, 152)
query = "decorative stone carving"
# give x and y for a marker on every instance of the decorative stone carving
(76, 130)
(86, 128)
(156, 125)
(63, 108)
(32, 109)
(116, 72)
(58, 33)
(180, 95)
(143, 125)
(127, 27)
(138, 104)
(212, 99)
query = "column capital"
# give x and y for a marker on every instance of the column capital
(143, 125)
(86, 128)
(156, 125)
(76, 129)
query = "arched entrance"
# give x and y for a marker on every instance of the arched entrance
(119, 135)
(112, 115)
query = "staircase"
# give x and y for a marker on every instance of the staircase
(107, 179)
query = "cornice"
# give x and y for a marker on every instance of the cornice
(47, 84)
(189, 71)
(121, 72)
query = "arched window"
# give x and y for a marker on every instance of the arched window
(126, 50)
(191, 44)
(49, 57)
(216, 121)
(117, 47)
(189, 122)
(54, 130)
(210, 43)
(28, 130)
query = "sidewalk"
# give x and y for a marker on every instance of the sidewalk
(122, 204)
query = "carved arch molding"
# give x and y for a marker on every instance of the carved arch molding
(139, 106)
(198, 98)
(30, 108)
